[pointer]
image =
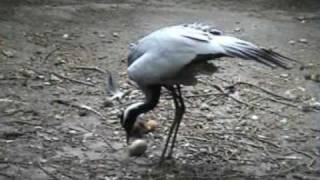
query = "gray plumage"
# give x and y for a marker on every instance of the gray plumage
(173, 56)
(160, 57)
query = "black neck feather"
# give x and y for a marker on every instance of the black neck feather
(152, 98)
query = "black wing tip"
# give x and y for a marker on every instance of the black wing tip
(277, 59)
(282, 58)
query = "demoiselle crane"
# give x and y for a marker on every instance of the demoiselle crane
(173, 56)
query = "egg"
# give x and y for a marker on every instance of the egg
(143, 127)
(151, 125)
(138, 147)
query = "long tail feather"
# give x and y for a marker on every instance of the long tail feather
(245, 50)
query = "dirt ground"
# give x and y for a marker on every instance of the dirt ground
(56, 121)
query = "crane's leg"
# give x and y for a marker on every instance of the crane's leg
(181, 111)
(173, 126)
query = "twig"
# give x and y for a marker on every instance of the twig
(73, 80)
(197, 138)
(262, 89)
(203, 95)
(279, 101)
(12, 101)
(22, 122)
(312, 162)
(48, 172)
(303, 153)
(93, 68)
(265, 141)
(253, 107)
(50, 53)
(79, 106)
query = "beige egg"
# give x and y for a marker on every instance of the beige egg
(138, 147)
(151, 125)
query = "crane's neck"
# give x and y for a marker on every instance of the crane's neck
(133, 111)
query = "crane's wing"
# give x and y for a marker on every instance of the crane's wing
(163, 54)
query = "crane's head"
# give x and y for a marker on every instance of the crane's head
(128, 118)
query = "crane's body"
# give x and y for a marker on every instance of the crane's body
(173, 56)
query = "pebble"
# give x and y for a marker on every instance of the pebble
(204, 106)
(47, 83)
(28, 73)
(82, 112)
(137, 147)
(115, 34)
(72, 132)
(54, 78)
(107, 103)
(8, 53)
(65, 36)
(301, 18)
(210, 116)
(237, 29)
(254, 117)
(303, 40)
(284, 75)
(55, 138)
(283, 121)
(40, 77)
(292, 42)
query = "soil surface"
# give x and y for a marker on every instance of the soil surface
(57, 121)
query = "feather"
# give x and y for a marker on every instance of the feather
(113, 88)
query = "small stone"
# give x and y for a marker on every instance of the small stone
(107, 103)
(284, 121)
(40, 77)
(72, 132)
(100, 35)
(83, 112)
(58, 117)
(284, 75)
(59, 61)
(203, 150)
(115, 34)
(292, 42)
(37, 127)
(237, 29)
(54, 78)
(55, 138)
(38, 51)
(8, 53)
(204, 106)
(206, 90)
(43, 160)
(10, 111)
(301, 18)
(303, 40)
(254, 117)
(65, 36)
(210, 117)
(28, 73)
